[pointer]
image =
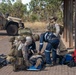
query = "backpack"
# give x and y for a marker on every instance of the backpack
(72, 63)
(25, 31)
(66, 59)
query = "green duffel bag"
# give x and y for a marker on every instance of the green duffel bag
(25, 31)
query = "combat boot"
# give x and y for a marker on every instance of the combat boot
(15, 68)
(54, 63)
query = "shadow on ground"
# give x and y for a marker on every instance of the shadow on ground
(3, 34)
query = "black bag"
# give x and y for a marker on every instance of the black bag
(59, 59)
(72, 63)
(3, 61)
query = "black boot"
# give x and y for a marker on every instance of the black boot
(15, 69)
(54, 63)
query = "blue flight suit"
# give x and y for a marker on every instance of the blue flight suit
(52, 44)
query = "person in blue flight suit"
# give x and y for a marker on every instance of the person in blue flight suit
(52, 44)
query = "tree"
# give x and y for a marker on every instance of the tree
(3, 8)
(45, 8)
(38, 9)
(6, 7)
(19, 9)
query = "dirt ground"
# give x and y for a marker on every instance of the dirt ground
(7, 70)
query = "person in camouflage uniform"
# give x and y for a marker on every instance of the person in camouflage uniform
(29, 49)
(15, 57)
(22, 49)
(53, 26)
(57, 29)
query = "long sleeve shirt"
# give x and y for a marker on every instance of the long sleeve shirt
(57, 29)
(46, 37)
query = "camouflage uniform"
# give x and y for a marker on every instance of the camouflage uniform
(12, 39)
(57, 30)
(28, 49)
(18, 55)
(53, 26)
(15, 56)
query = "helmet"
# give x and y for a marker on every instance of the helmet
(35, 37)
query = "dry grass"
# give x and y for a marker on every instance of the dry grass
(36, 25)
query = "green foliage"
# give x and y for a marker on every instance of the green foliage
(39, 10)
(3, 7)
(6, 7)
(45, 8)
(19, 9)
(34, 17)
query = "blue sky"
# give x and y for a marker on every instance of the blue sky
(25, 1)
